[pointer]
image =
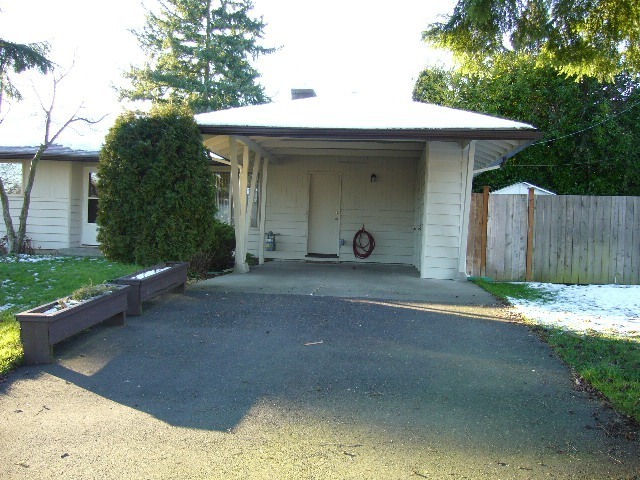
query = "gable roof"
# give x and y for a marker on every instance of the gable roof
(342, 124)
(522, 188)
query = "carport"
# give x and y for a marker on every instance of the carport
(314, 171)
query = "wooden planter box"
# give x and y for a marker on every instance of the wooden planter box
(142, 289)
(40, 331)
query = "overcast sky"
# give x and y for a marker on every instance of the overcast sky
(334, 46)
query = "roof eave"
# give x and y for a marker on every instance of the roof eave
(375, 134)
(90, 158)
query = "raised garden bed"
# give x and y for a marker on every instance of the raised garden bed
(152, 282)
(44, 326)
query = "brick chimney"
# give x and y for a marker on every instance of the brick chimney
(298, 93)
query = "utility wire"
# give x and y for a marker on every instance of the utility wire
(542, 142)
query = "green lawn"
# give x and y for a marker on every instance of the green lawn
(609, 364)
(27, 284)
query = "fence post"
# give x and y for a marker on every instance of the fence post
(483, 230)
(530, 211)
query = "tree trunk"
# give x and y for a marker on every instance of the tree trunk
(24, 213)
(8, 222)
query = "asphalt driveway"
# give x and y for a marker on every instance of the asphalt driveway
(298, 381)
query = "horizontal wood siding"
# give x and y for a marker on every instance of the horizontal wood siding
(419, 208)
(386, 207)
(76, 205)
(444, 197)
(48, 221)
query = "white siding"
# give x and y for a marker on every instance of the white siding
(446, 181)
(48, 220)
(386, 207)
(419, 208)
(76, 204)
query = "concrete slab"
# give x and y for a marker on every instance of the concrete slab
(79, 252)
(348, 280)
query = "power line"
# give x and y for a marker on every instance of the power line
(542, 142)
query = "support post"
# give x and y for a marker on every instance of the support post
(483, 231)
(531, 211)
(241, 265)
(263, 209)
(470, 153)
(238, 221)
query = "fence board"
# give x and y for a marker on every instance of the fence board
(635, 252)
(521, 234)
(577, 239)
(474, 245)
(612, 271)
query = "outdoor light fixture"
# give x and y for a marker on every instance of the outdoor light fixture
(374, 177)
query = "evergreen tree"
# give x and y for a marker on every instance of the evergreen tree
(596, 38)
(17, 58)
(199, 54)
(591, 129)
(157, 195)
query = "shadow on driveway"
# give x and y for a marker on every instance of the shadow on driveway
(328, 387)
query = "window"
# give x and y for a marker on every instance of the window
(253, 206)
(11, 174)
(222, 181)
(223, 200)
(92, 198)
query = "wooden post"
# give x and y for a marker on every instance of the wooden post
(263, 209)
(531, 209)
(470, 154)
(483, 231)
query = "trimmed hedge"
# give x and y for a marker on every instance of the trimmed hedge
(157, 195)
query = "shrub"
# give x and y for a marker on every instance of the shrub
(157, 198)
(218, 252)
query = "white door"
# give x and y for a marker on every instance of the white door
(324, 214)
(89, 207)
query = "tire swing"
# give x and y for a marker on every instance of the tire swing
(363, 243)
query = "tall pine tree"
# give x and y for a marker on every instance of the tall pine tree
(585, 38)
(199, 54)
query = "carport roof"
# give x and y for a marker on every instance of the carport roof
(355, 125)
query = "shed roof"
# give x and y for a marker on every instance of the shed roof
(522, 188)
(355, 125)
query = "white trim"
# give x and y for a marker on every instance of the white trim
(85, 227)
(263, 210)
(469, 152)
(425, 203)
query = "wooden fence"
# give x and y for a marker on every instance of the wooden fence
(555, 238)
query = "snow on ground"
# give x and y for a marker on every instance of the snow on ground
(607, 309)
(24, 258)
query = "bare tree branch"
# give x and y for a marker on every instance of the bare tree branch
(16, 239)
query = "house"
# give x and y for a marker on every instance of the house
(522, 188)
(64, 203)
(314, 171)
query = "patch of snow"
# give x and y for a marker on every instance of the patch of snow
(24, 258)
(58, 306)
(6, 306)
(148, 273)
(606, 309)
(355, 112)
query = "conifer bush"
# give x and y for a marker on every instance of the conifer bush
(157, 197)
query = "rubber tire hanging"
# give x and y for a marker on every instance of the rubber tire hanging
(363, 243)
